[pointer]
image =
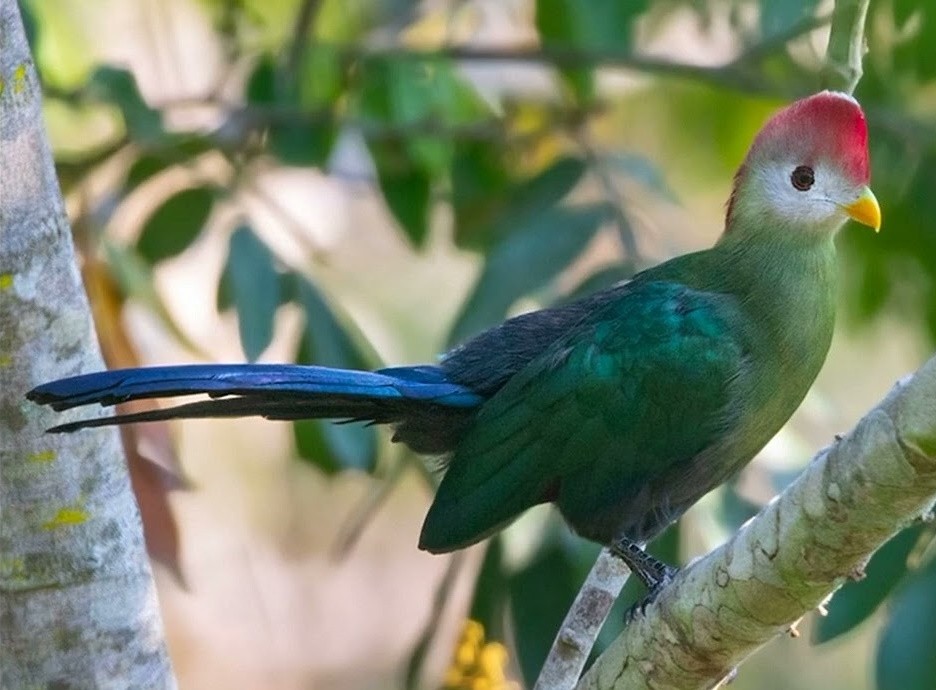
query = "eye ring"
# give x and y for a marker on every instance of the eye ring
(803, 178)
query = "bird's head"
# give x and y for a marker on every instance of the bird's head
(807, 170)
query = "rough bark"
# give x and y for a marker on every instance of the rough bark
(790, 558)
(78, 605)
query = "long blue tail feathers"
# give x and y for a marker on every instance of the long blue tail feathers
(276, 391)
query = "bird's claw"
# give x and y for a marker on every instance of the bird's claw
(666, 576)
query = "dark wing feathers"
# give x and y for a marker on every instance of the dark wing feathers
(640, 384)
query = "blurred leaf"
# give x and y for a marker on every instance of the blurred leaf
(642, 170)
(590, 27)
(733, 509)
(490, 591)
(423, 646)
(134, 276)
(915, 55)
(600, 280)
(857, 600)
(175, 224)
(905, 654)
(331, 447)
(407, 193)
(417, 101)
(480, 181)
(408, 107)
(151, 484)
(540, 596)
(118, 87)
(173, 152)
(489, 206)
(778, 17)
(348, 21)
(301, 129)
(525, 261)
(254, 285)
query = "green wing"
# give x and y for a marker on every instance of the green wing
(634, 390)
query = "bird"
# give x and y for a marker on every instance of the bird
(622, 408)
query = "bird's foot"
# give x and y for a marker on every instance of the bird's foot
(640, 607)
(653, 573)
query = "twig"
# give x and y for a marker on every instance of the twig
(582, 623)
(600, 169)
(305, 21)
(846, 46)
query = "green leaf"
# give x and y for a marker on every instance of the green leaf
(407, 193)
(587, 27)
(175, 224)
(118, 87)
(171, 152)
(526, 261)
(857, 600)
(489, 207)
(332, 447)
(905, 654)
(254, 287)
(642, 170)
(134, 277)
(406, 107)
(916, 55)
(301, 129)
(540, 595)
(490, 591)
(777, 17)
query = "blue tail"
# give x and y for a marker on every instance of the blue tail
(413, 397)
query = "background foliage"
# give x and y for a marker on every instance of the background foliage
(505, 151)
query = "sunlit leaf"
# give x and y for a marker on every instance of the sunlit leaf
(175, 224)
(525, 261)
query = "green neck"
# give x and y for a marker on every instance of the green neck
(786, 283)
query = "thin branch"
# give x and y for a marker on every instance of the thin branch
(305, 21)
(786, 561)
(846, 46)
(605, 179)
(583, 622)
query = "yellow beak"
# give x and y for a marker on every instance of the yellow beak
(865, 210)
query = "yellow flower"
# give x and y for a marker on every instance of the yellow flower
(477, 664)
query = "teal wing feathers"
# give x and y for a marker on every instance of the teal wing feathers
(636, 389)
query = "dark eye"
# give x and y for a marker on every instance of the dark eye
(803, 177)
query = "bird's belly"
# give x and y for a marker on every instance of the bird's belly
(641, 506)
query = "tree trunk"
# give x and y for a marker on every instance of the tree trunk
(78, 604)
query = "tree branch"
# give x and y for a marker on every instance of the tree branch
(786, 561)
